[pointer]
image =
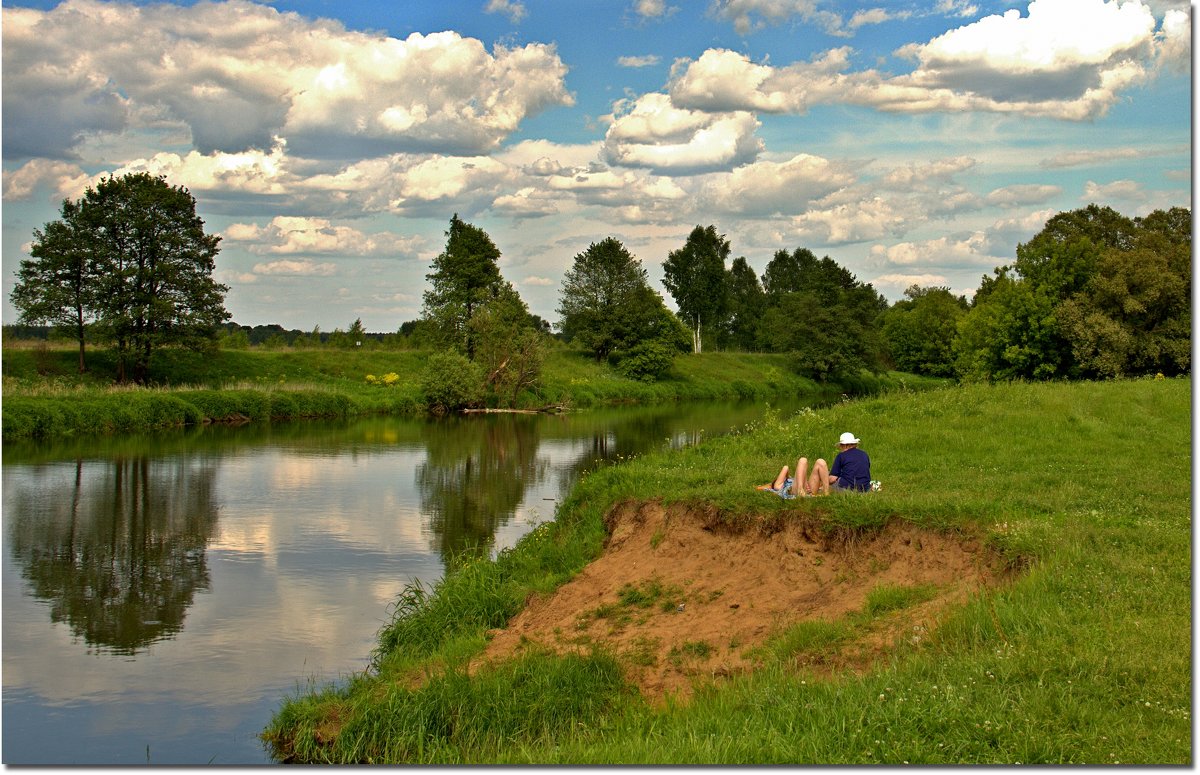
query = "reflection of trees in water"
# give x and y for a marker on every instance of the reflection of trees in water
(474, 476)
(622, 438)
(121, 559)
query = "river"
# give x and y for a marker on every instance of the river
(162, 593)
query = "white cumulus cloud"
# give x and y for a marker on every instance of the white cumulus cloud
(767, 187)
(1122, 190)
(294, 235)
(651, 132)
(1023, 194)
(1064, 59)
(724, 80)
(516, 11)
(236, 75)
(294, 268)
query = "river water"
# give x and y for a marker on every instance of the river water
(163, 593)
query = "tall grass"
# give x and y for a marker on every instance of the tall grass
(1085, 658)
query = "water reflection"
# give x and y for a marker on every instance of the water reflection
(117, 551)
(474, 476)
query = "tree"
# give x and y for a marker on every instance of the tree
(919, 330)
(785, 272)
(57, 287)
(607, 304)
(1012, 334)
(509, 346)
(746, 304)
(356, 335)
(695, 276)
(828, 342)
(1093, 294)
(147, 266)
(802, 271)
(1134, 316)
(816, 309)
(465, 275)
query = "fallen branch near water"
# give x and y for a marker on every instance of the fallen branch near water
(549, 409)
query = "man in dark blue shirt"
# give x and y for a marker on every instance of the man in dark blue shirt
(851, 468)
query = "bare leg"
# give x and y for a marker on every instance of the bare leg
(819, 478)
(779, 480)
(801, 486)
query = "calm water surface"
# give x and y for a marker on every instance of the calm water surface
(162, 594)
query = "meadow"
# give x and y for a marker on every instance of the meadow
(1083, 657)
(45, 396)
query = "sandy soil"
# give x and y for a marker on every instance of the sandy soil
(710, 592)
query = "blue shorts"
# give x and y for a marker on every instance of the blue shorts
(786, 490)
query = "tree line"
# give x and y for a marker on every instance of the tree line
(1094, 294)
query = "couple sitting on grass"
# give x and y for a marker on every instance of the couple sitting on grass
(851, 472)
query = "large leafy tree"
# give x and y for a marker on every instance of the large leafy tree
(919, 330)
(746, 304)
(57, 286)
(146, 265)
(818, 310)
(509, 345)
(465, 276)
(1013, 334)
(1093, 294)
(607, 305)
(695, 276)
(1134, 316)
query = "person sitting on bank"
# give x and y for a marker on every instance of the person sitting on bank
(851, 472)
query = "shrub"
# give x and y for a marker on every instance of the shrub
(647, 361)
(451, 382)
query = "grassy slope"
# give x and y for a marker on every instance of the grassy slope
(1085, 659)
(47, 397)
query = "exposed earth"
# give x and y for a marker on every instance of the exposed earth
(683, 597)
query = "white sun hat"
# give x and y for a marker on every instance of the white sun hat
(847, 438)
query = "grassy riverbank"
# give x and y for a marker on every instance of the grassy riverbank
(1085, 657)
(45, 396)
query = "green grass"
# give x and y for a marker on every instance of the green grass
(47, 397)
(894, 597)
(1085, 658)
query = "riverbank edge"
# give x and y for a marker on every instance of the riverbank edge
(1014, 650)
(42, 409)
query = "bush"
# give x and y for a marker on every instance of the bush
(451, 382)
(647, 362)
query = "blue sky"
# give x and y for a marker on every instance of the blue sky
(329, 143)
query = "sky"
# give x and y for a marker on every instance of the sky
(329, 142)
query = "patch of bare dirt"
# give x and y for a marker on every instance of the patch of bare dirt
(681, 596)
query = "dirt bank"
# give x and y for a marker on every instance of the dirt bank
(682, 597)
